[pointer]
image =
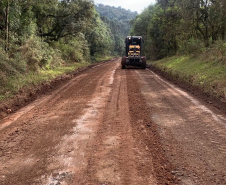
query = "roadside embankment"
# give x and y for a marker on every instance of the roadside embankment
(202, 77)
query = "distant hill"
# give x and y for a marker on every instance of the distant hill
(118, 19)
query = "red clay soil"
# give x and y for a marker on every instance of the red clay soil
(109, 126)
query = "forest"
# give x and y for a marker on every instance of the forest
(183, 27)
(56, 25)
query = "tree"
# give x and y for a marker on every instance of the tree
(68, 18)
(100, 37)
(140, 26)
(7, 27)
(4, 17)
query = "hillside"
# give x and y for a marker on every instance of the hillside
(119, 15)
(118, 20)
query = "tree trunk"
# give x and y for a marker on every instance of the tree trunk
(223, 33)
(7, 28)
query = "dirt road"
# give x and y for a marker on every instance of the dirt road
(113, 126)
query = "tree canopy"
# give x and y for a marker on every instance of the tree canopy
(72, 27)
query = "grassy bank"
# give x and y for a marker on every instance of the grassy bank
(204, 74)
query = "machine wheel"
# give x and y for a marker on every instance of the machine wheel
(143, 65)
(123, 62)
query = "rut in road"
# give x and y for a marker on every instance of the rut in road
(123, 141)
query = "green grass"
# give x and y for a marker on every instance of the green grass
(32, 79)
(103, 58)
(210, 76)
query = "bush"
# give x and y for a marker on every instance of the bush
(216, 52)
(73, 49)
(191, 47)
(38, 54)
(10, 68)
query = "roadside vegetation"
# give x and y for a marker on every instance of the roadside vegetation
(187, 40)
(41, 39)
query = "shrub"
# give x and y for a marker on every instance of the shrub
(73, 49)
(191, 47)
(38, 54)
(216, 52)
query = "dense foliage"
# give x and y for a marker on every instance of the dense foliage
(71, 30)
(181, 26)
(118, 21)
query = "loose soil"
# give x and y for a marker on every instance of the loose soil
(107, 126)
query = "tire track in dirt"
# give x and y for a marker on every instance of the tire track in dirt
(115, 158)
(127, 148)
(147, 134)
(78, 142)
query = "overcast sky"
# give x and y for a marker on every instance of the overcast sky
(133, 5)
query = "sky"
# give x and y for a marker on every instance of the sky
(133, 5)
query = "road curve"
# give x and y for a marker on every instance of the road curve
(114, 126)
